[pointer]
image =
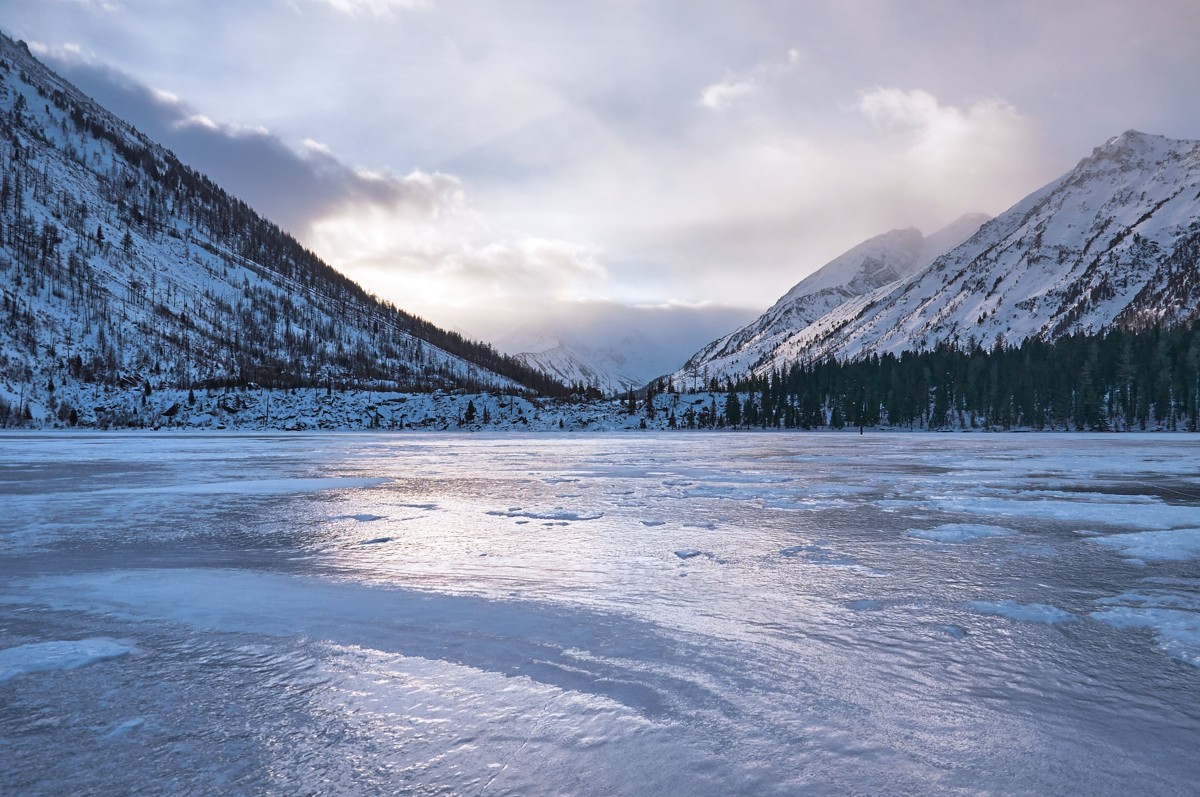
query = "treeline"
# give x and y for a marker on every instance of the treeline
(1117, 381)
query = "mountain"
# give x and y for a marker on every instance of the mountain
(583, 366)
(872, 264)
(1114, 243)
(121, 266)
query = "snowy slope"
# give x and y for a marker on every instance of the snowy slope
(1114, 241)
(879, 261)
(583, 366)
(121, 266)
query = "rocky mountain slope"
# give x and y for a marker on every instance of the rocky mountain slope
(872, 264)
(1115, 242)
(120, 266)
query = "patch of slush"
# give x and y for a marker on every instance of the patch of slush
(1156, 515)
(1024, 612)
(960, 532)
(1173, 617)
(367, 518)
(1176, 545)
(558, 513)
(58, 655)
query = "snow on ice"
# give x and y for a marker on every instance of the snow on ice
(286, 646)
(58, 655)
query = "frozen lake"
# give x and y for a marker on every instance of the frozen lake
(665, 614)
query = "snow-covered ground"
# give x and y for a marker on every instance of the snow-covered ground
(358, 613)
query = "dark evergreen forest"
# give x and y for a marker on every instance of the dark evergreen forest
(1115, 381)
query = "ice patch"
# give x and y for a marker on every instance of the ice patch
(1173, 617)
(124, 728)
(653, 522)
(557, 513)
(1176, 545)
(376, 541)
(1025, 612)
(58, 655)
(1155, 515)
(959, 532)
(688, 553)
(367, 518)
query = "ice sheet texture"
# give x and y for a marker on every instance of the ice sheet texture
(693, 614)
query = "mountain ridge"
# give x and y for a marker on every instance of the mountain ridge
(878, 261)
(120, 264)
(1114, 242)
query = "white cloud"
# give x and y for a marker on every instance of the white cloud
(428, 249)
(374, 8)
(985, 141)
(720, 96)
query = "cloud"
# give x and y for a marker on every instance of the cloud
(981, 141)
(433, 257)
(720, 96)
(373, 8)
(414, 238)
(294, 186)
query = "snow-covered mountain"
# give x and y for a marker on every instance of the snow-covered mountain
(1115, 241)
(120, 265)
(583, 366)
(879, 261)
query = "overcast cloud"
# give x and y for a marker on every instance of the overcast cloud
(479, 161)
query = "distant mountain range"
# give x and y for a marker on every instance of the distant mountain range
(1115, 242)
(121, 265)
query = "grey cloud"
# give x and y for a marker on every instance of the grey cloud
(294, 187)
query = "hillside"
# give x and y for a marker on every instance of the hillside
(872, 264)
(122, 267)
(1114, 243)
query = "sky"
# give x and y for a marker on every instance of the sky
(525, 169)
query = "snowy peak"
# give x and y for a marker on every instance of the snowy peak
(1114, 241)
(876, 262)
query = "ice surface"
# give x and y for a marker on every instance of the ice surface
(688, 553)
(1172, 544)
(1173, 617)
(254, 486)
(960, 532)
(58, 655)
(288, 649)
(1025, 612)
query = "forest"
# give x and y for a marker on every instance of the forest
(1114, 381)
